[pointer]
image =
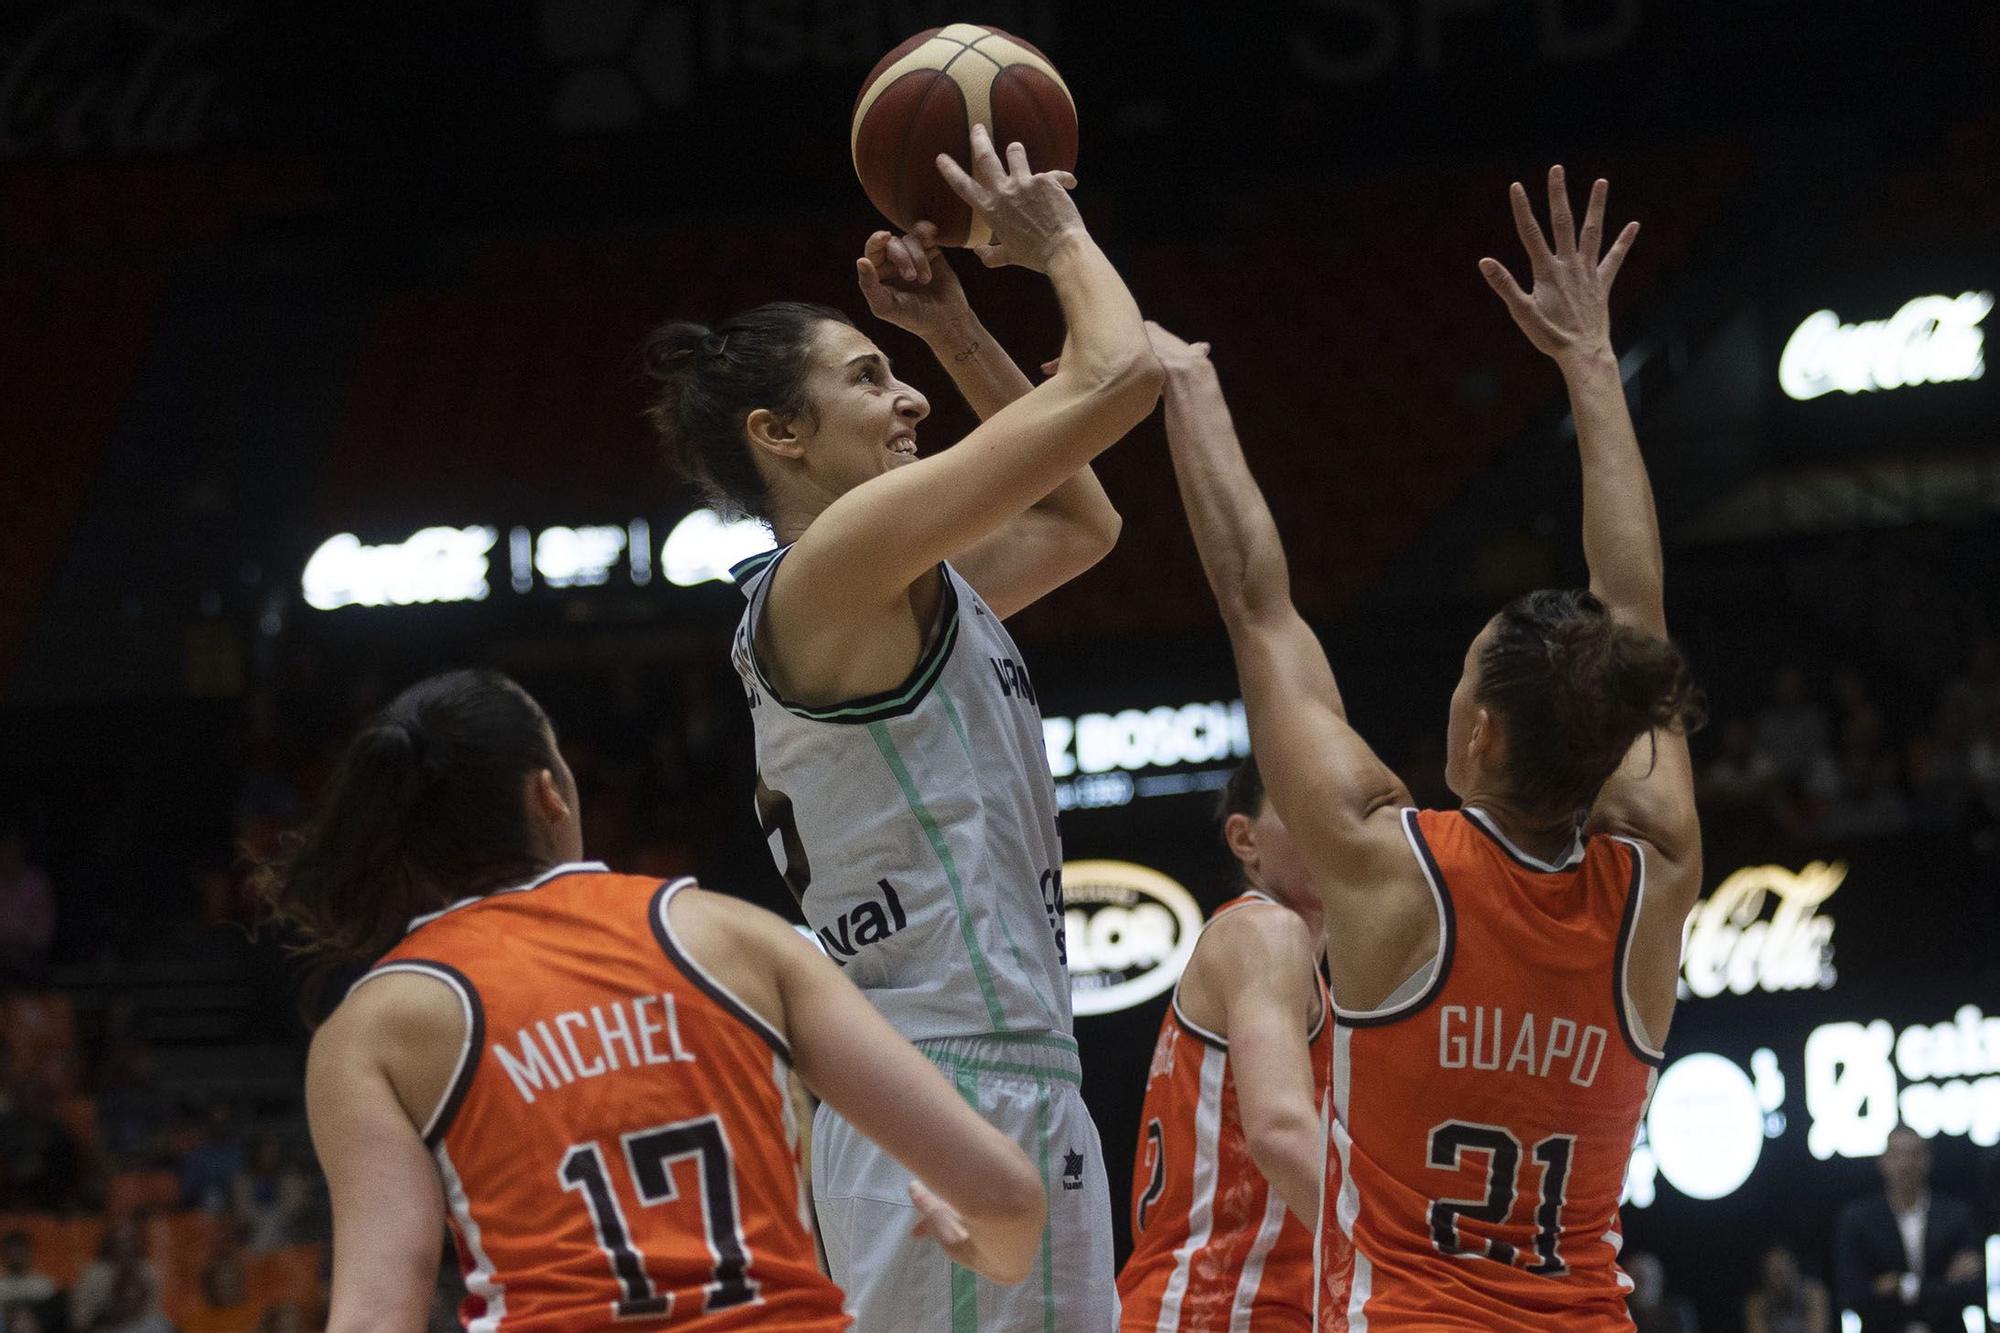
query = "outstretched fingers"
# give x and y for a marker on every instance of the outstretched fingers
(1591, 239)
(986, 164)
(962, 185)
(1560, 221)
(1529, 230)
(1607, 272)
(1519, 304)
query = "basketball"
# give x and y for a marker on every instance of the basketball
(923, 98)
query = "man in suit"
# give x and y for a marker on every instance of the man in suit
(1908, 1261)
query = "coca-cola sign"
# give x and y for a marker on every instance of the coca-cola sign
(1731, 946)
(1929, 340)
(114, 77)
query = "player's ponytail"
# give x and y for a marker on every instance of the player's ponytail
(1574, 688)
(426, 806)
(709, 381)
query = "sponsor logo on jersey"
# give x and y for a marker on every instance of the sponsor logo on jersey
(1014, 682)
(869, 921)
(1072, 1169)
(1129, 930)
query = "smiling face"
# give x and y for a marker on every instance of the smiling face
(863, 420)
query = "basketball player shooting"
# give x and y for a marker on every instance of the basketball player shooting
(902, 776)
(1503, 974)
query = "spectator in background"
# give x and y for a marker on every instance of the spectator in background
(1792, 729)
(41, 1167)
(1857, 794)
(133, 1307)
(1971, 701)
(1741, 775)
(105, 1290)
(1786, 1301)
(270, 1197)
(1651, 1308)
(1908, 1260)
(27, 905)
(225, 1300)
(24, 1287)
(287, 1317)
(209, 1168)
(133, 1111)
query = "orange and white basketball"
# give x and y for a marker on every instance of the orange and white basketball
(923, 98)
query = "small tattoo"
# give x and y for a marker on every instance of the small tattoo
(967, 352)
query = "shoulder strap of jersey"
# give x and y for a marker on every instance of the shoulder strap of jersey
(759, 571)
(1423, 985)
(474, 1041)
(700, 977)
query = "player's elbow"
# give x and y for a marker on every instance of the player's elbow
(1282, 1133)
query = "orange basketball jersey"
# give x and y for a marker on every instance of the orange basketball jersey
(1481, 1125)
(1213, 1246)
(618, 1146)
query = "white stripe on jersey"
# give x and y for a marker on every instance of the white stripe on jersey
(1201, 1211)
(1253, 1263)
(780, 1076)
(1348, 1208)
(481, 1281)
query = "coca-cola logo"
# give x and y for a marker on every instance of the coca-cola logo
(1930, 340)
(113, 76)
(1730, 946)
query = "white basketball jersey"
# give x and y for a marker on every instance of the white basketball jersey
(917, 828)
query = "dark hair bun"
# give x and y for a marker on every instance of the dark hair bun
(1576, 688)
(670, 350)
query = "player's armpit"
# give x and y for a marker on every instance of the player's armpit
(388, 1208)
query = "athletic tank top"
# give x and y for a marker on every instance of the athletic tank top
(917, 828)
(617, 1147)
(1214, 1249)
(1481, 1129)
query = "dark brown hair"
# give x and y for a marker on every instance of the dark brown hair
(710, 381)
(1574, 689)
(1243, 794)
(424, 808)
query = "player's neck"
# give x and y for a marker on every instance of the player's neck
(1537, 835)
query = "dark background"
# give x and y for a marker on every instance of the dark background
(270, 272)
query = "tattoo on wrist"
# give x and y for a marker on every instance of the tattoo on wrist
(967, 352)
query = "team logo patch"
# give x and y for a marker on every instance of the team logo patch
(1129, 930)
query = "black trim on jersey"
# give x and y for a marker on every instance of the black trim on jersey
(1482, 821)
(1448, 926)
(1187, 1025)
(749, 565)
(1221, 1043)
(1628, 921)
(901, 701)
(475, 1039)
(656, 913)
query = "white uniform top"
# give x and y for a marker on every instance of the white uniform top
(917, 827)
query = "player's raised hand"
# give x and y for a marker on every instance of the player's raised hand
(1567, 313)
(907, 281)
(1029, 212)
